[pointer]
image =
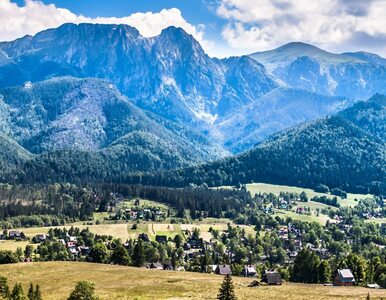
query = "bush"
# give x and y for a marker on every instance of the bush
(84, 290)
(321, 188)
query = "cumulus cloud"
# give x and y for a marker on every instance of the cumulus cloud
(334, 24)
(36, 16)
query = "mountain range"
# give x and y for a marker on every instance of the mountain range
(106, 100)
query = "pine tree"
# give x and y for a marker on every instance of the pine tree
(17, 293)
(31, 292)
(4, 288)
(37, 293)
(226, 290)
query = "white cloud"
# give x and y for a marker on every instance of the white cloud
(334, 24)
(36, 16)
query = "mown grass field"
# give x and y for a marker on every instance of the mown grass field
(57, 279)
(321, 219)
(276, 189)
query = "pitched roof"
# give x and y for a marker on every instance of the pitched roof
(224, 270)
(346, 275)
(273, 277)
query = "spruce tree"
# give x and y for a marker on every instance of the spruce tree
(31, 292)
(17, 293)
(4, 288)
(37, 293)
(226, 290)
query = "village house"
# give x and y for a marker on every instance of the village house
(223, 270)
(154, 266)
(40, 237)
(162, 239)
(344, 277)
(195, 243)
(272, 278)
(249, 271)
(14, 234)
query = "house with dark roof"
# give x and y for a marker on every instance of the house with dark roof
(144, 237)
(272, 278)
(344, 277)
(156, 266)
(161, 239)
(223, 270)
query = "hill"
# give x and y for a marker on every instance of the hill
(370, 116)
(332, 151)
(87, 125)
(57, 280)
(12, 155)
(276, 111)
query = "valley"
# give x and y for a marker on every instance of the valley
(155, 171)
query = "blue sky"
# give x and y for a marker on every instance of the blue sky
(223, 27)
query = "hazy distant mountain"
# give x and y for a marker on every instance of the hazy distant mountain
(275, 111)
(299, 65)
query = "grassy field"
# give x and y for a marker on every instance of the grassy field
(322, 219)
(12, 245)
(125, 231)
(276, 189)
(57, 279)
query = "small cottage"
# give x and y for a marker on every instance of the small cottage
(249, 271)
(272, 278)
(344, 277)
(223, 270)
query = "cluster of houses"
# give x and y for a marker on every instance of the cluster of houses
(146, 213)
(13, 235)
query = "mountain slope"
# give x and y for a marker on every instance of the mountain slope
(234, 101)
(86, 127)
(370, 116)
(11, 154)
(332, 151)
(274, 112)
(169, 74)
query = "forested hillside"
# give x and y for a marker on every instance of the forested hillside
(87, 124)
(11, 154)
(332, 151)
